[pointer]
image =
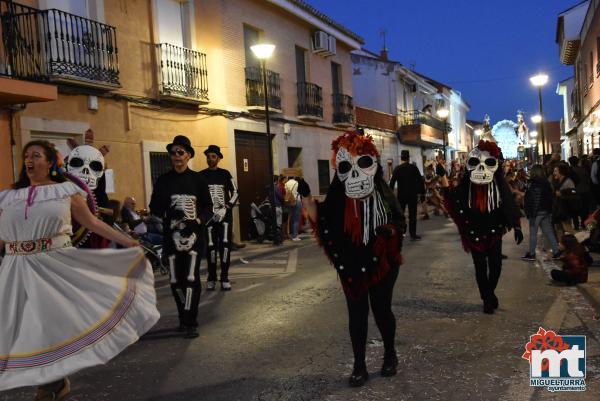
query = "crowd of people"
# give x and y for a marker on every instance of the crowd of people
(107, 299)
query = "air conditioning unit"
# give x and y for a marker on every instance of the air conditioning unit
(320, 42)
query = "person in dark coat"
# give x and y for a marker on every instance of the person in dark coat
(410, 185)
(538, 209)
(583, 187)
(360, 226)
(484, 209)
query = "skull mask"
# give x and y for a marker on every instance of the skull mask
(86, 163)
(482, 166)
(356, 172)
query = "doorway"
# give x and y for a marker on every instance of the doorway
(252, 164)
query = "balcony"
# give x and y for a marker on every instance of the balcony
(255, 97)
(182, 74)
(343, 110)
(421, 129)
(52, 45)
(598, 69)
(310, 101)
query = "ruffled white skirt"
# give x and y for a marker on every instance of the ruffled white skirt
(68, 309)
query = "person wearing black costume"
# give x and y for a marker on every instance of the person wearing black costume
(223, 191)
(484, 209)
(410, 186)
(360, 226)
(181, 198)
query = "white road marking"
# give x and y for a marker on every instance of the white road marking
(250, 287)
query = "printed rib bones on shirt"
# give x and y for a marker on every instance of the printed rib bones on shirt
(186, 206)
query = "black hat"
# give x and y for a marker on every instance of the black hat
(184, 142)
(404, 155)
(214, 149)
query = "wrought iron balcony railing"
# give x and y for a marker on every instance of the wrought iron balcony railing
(182, 73)
(420, 118)
(343, 109)
(310, 100)
(255, 96)
(45, 45)
(598, 68)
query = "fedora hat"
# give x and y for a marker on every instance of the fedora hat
(184, 142)
(214, 149)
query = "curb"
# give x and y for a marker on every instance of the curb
(163, 279)
(591, 292)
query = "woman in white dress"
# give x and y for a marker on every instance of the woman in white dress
(63, 309)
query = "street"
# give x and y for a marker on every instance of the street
(281, 334)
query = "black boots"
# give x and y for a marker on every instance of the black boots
(359, 376)
(490, 304)
(390, 364)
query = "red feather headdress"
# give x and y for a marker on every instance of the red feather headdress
(490, 147)
(356, 144)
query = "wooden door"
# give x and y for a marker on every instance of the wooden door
(252, 163)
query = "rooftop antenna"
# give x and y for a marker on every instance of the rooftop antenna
(384, 51)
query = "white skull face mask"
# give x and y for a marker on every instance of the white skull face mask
(482, 166)
(356, 172)
(86, 163)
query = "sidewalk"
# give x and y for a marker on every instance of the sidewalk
(591, 289)
(251, 251)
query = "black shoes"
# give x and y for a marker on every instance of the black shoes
(191, 332)
(488, 308)
(415, 238)
(529, 257)
(494, 302)
(389, 367)
(557, 255)
(358, 377)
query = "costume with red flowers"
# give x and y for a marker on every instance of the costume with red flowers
(360, 227)
(484, 209)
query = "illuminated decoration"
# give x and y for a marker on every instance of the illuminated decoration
(505, 132)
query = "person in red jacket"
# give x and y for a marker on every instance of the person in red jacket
(575, 262)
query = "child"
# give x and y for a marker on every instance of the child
(575, 262)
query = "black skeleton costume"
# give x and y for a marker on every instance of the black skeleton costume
(223, 192)
(183, 202)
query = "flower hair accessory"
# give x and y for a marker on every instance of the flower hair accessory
(490, 147)
(355, 143)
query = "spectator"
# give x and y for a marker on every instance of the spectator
(584, 189)
(575, 260)
(136, 223)
(410, 186)
(292, 201)
(594, 175)
(552, 163)
(566, 196)
(538, 210)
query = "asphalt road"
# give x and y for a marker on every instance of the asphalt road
(281, 334)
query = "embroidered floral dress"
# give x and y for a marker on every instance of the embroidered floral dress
(61, 308)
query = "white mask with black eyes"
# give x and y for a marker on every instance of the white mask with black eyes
(86, 163)
(482, 166)
(356, 172)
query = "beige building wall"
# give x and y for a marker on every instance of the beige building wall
(131, 122)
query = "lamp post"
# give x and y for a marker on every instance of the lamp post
(533, 142)
(263, 52)
(443, 114)
(539, 81)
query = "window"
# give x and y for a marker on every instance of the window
(160, 163)
(591, 67)
(324, 180)
(300, 64)
(251, 37)
(336, 78)
(294, 157)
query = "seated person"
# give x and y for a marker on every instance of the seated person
(575, 262)
(137, 223)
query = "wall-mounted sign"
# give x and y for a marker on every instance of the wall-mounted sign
(245, 165)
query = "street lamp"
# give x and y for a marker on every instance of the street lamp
(443, 114)
(540, 80)
(536, 119)
(263, 52)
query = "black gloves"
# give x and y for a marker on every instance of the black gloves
(387, 231)
(518, 235)
(303, 188)
(191, 227)
(440, 170)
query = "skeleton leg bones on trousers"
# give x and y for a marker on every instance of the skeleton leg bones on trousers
(219, 243)
(185, 285)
